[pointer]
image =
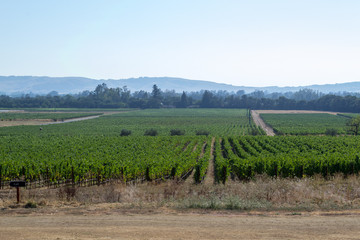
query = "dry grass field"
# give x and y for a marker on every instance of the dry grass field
(263, 193)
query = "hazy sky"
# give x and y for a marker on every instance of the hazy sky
(252, 43)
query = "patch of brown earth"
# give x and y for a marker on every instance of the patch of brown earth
(260, 123)
(25, 122)
(209, 178)
(113, 225)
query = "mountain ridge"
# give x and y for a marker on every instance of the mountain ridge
(11, 85)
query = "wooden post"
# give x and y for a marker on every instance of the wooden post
(18, 184)
(18, 194)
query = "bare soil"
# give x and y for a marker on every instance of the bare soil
(21, 122)
(260, 122)
(112, 224)
(72, 120)
(25, 122)
(209, 177)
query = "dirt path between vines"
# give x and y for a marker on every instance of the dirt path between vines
(209, 177)
(260, 122)
(113, 225)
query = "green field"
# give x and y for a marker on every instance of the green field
(305, 124)
(102, 157)
(286, 156)
(349, 115)
(70, 109)
(93, 150)
(216, 122)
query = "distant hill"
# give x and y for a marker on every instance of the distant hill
(12, 85)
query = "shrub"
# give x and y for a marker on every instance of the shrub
(68, 192)
(151, 132)
(125, 132)
(176, 132)
(30, 205)
(331, 132)
(202, 132)
(197, 174)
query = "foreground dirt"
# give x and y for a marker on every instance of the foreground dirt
(120, 225)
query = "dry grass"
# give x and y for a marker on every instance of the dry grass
(262, 193)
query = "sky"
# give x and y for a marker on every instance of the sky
(238, 42)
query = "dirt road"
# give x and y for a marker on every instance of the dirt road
(72, 120)
(180, 226)
(260, 122)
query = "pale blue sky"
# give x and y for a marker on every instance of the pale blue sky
(252, 43)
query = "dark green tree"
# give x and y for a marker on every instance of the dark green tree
(155, 100)
(354, 125)
(156, 92)
(207, 99)
(183, 101)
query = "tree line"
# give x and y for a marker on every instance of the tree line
(105, 97)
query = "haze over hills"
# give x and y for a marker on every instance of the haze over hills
(15, 85)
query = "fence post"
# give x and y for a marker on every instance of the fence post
(18, 195)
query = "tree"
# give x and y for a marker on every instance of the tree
(100, 89)
(257, 94)
(155, 100)
(305, 94)
(207, 99)
(125, 94)
(183, 100)
(156, 92)
(354, 125)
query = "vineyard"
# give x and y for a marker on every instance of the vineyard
(65, 110)
(291, 156)
(94, 152)
(305, 124)
(82, 159)
(348, 115)
(215, 122)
